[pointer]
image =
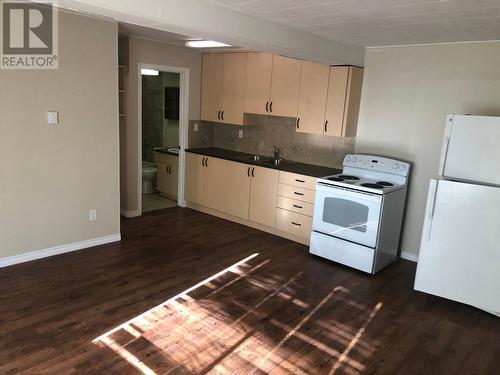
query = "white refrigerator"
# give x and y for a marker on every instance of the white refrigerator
(460, 247)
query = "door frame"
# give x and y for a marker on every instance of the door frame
(183, 126)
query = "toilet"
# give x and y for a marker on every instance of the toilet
(148, 177)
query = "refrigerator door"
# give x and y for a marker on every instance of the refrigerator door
(460, 249)
(470, 149)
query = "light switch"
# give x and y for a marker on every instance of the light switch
(195, 127)
(53, 117)
(240, 133)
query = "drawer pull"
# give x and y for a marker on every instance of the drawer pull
(297, 224)
(298, 193)
(301, 181)
(297, 206)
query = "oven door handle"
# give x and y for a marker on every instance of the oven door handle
(338, 191)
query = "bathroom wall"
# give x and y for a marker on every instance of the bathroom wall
(152, 115)
(260, 133)
(170, 127)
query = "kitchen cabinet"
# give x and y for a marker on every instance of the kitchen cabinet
(206, 181)
(167, 174)
(263, 192)
(238, 189)
(272, 85)
(344, 97)
(258, 82)
(223, 87)
(233, 88)
(312, 98)
(294, 223)
(285, 86)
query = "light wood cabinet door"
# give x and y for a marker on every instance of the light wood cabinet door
(263, 193)
(258, 82)
(172, 188)
(285, 85)
(214, 178)
(162, 176)
(312, 98)
(336, 103)
(344, 96)
(211, 86)
(195, 178)
(233, 90)
(238, 189)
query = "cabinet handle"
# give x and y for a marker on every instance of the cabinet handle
(248, 172)
(267, 106)
(301, 181)
(297, 206)
(206, 162)
(298, 123)
(297, 224)
(271, 107)
(170, 169)
(326, 126)
(222, 115)
(203, 161)
(253, 172)
(218, 114)
(298, 193)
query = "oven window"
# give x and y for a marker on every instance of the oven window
(345, 213)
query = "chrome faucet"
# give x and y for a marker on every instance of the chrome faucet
(276, 152)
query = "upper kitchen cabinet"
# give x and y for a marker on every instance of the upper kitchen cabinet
(212, 84)
(223, 87)
(344, 96)
(272, 85)
(312, 98)
(258, 80)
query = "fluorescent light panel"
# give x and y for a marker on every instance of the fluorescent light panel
(149, 72)
(205, 44)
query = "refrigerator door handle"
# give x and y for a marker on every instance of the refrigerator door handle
(431, 206)
(446, 143)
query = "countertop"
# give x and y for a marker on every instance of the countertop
(286, 165)
(166, 151)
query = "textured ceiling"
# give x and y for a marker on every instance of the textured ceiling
(381, 22)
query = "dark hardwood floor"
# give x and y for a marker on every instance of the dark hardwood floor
(255, 303)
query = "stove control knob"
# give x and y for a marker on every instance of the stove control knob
(348, 159)
(395, 166)
(354, 159)
(403, 167)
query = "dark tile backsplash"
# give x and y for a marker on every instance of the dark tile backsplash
(260, 133)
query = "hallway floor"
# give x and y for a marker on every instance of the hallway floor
(153, 202)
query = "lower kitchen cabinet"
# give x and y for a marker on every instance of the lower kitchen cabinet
(263, 192)
(206, 181)
(238, 189)
(291, 222)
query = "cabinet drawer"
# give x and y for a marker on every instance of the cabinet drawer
(298, 180)
(293, 223)
(297, 193)
(294, 205)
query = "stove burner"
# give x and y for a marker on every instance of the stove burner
(371, 185)
(385, 183)
(347, 177)
(337, 179)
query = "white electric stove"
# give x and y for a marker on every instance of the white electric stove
(358, 213)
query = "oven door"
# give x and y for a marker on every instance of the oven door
(348, 214)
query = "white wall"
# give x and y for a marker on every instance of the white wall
(407, 93)
(51, 176)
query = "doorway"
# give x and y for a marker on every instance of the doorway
(163, 116)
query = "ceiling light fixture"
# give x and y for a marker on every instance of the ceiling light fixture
(205, 44)
(149, 72)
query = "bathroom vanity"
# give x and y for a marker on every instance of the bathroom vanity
(167, 179)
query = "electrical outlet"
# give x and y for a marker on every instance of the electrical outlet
(240, 133)
(93, 215)
(195, 127)
(53, 117)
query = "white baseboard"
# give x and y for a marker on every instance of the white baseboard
(38, 254)
(409, 256)
(130, 214)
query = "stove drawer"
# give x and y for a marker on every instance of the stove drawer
(293, 223)
(293, 205)
(298, 180)
(297, 193)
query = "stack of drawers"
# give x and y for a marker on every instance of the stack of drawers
(295, 204)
